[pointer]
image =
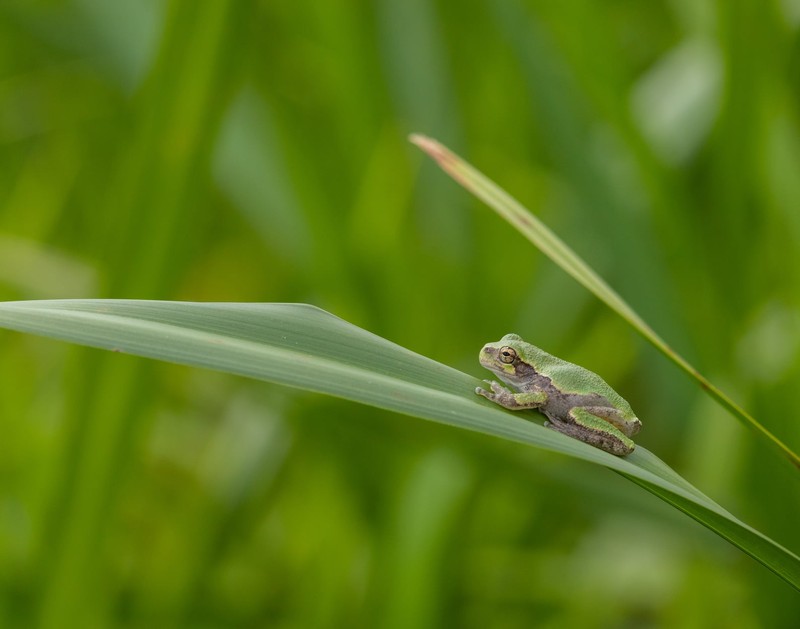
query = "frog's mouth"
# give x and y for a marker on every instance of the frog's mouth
(489, 360)
(509, 379)
(488, 357)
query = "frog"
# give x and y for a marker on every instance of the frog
(577, 402)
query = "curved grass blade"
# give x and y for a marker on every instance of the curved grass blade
(304, 347)
(555, 249)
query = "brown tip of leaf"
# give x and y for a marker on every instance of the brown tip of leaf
(429, 145)
(446, 160)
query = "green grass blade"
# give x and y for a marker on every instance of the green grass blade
(555, 249)
(157, 189)
(304, 347)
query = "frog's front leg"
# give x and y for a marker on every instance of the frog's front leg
(594, 430)
(513, 401)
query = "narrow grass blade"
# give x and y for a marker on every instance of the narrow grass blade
(555, 249)
(304, 347)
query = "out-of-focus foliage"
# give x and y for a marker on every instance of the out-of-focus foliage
(244, 150)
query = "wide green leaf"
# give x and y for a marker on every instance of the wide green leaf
(560, 253)
(302, 346)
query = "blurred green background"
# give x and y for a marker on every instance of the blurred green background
(256, 151)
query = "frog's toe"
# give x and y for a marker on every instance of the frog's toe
(496, 386)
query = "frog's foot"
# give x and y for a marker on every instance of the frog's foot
(594, 431)
(613, 416)
(513, 401)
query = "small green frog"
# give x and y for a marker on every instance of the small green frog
(577, 402)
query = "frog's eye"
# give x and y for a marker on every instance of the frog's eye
(507, 355)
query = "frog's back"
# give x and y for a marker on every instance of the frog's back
(571, 378)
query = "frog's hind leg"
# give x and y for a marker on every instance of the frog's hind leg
(594, 431)
(614, 417)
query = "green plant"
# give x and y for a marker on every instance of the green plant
(302, 346)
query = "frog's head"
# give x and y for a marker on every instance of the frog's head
(506, 359)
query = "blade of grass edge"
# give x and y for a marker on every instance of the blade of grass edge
(307, 348)
(555, 249)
